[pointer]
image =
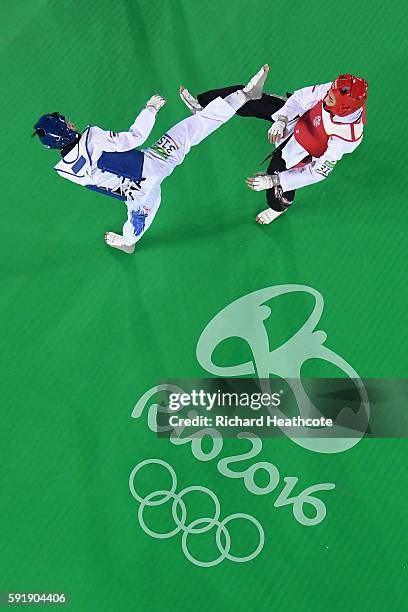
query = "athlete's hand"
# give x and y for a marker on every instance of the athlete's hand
(277, 130)
(262, 181)
(156, 103)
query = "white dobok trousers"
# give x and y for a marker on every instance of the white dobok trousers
(163, 156)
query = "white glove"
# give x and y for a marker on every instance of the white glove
(156, 102)
(277, 130)
(263, 181)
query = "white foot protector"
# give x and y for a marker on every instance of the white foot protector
(190, 101)
(267, 216)
(116, 241)
(254, 89)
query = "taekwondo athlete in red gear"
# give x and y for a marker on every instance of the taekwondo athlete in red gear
(318, 125)
(329, 121)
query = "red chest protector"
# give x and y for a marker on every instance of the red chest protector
(314, 128)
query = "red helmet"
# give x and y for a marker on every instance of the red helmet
(350, 92)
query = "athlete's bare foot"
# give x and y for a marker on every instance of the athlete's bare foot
(116, 241)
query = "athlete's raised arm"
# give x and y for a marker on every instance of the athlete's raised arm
(138, 132)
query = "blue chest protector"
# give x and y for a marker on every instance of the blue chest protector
(126, 164)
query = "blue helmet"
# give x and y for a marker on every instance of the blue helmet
(53, 131)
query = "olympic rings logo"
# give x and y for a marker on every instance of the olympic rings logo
(197, 526)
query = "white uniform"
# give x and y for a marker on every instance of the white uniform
(143, 197)
(297, 105)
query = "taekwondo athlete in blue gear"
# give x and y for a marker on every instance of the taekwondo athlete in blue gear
(109, 163)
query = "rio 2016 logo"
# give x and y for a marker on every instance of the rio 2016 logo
(244, 318)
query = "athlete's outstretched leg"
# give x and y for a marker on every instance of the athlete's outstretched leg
(263, 108)
(170, 150)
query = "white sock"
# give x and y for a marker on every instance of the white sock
(254, 89)
(236, 99)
